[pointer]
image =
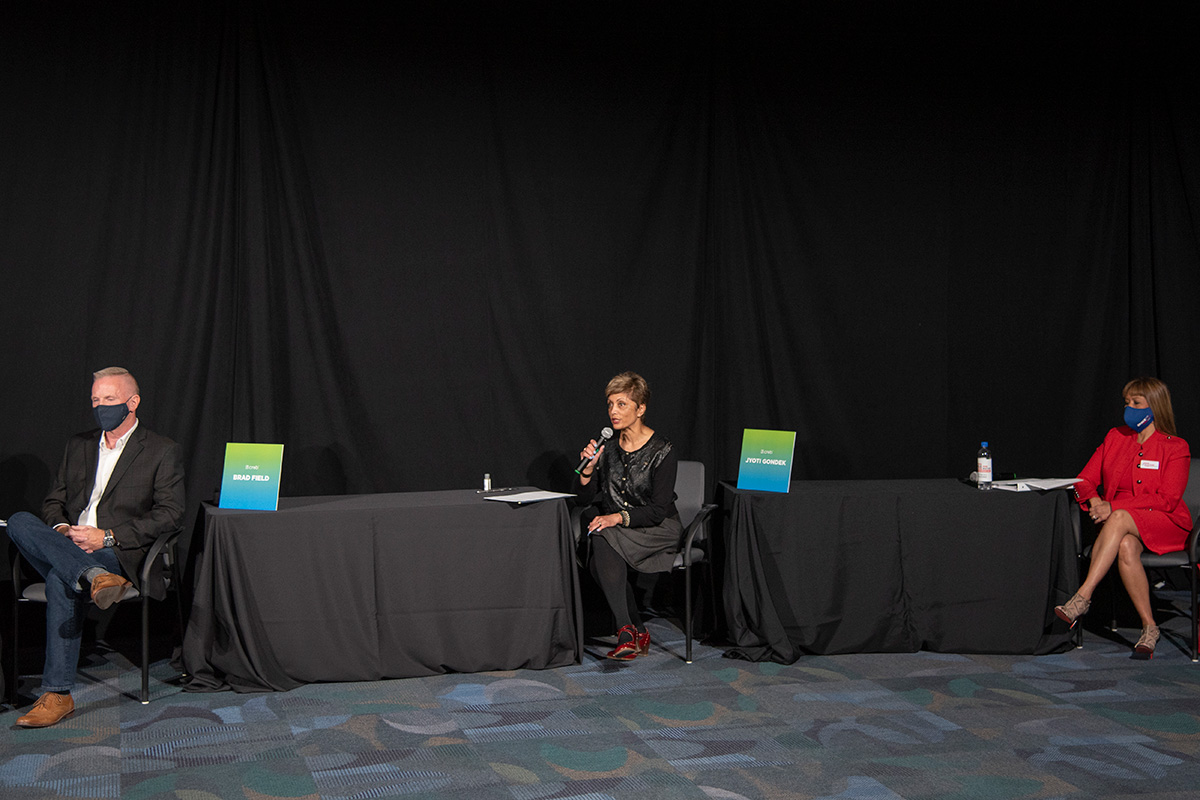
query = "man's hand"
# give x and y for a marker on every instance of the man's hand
(88, 538)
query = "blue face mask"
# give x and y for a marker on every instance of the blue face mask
(109, 418)
(1138, 418)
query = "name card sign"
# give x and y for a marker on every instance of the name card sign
(251, 477)
(766, 460)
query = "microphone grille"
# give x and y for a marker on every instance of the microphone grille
(606, 433)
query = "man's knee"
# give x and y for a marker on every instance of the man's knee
(22, 524)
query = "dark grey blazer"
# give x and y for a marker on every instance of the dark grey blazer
(143, 499)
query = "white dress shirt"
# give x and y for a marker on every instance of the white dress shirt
(107, 460)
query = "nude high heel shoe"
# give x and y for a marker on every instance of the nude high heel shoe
(1144, 649)
(1073, 609)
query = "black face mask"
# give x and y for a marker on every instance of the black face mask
(109, 418)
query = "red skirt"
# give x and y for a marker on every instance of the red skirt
(1159, 532)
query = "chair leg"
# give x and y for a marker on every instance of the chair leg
(687, 611)
(1077, 634)
(16, 650)
(145, 696)
(179, 620)
(1110, 582)
(14, 690)
(1193, 622)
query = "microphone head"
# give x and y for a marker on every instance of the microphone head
(606, 434)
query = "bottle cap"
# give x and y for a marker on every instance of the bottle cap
(984, 444)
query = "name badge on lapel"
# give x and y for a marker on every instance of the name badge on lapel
(1148, 464)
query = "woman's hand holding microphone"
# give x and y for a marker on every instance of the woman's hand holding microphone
(589, 455)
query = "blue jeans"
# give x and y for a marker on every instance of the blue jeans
(62, 563)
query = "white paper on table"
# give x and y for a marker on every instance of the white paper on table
(520, 498)
(1029, 484)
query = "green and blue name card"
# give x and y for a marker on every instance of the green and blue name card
(251, 478)
(766, 460)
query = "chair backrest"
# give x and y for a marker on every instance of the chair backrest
(1191, 495)
(689, 490)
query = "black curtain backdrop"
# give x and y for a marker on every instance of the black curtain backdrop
(414, 244)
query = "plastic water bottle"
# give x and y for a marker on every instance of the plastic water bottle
(983, 461)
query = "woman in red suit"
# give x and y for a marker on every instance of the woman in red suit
(1142, 470)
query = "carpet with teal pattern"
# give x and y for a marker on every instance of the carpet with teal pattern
(1087, 723)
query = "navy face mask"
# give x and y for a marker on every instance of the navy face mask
(109, 418)
(1138, 418)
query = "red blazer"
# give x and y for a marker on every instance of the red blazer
(1158, 489)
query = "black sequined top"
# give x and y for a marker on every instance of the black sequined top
(641, 482)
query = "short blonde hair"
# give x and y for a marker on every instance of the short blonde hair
(629, 383)
(116, 372)
(1159, 398)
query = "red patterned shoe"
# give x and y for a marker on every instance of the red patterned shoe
(627, 645)
(643, 644)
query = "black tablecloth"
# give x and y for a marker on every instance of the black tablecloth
(381, 586)
(896, 566)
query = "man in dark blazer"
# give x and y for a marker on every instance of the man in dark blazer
(118, 489)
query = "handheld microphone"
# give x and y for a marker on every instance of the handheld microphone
(605, 435)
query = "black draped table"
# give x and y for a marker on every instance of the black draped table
(896, 566)
(368, 587)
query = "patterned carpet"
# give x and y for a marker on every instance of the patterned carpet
(1087, 723)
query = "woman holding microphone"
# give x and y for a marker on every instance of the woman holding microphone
(631, 520)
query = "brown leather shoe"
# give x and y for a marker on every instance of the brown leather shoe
(49, 709)
(109, 588)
